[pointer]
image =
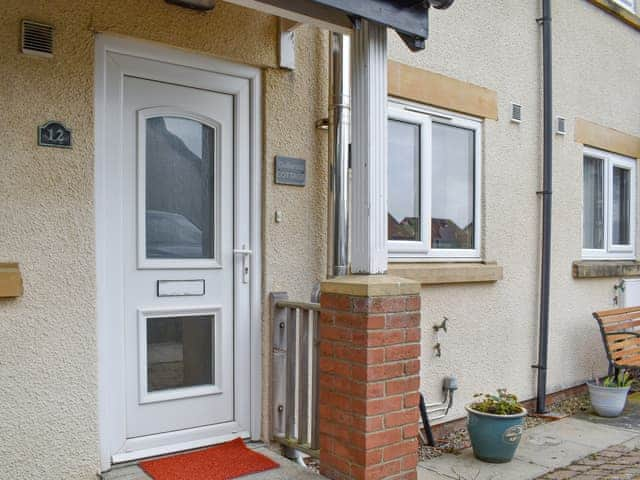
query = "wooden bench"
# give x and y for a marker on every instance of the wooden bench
(620, 330)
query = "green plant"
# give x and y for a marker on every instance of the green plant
(503, 403)
(622, 380)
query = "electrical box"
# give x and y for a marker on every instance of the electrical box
(631, 295)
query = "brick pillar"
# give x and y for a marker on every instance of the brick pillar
(369, 377)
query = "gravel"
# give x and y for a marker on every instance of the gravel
(459, 439)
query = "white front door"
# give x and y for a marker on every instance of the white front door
(179, 265)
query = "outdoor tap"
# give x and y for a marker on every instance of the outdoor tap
(442, 325)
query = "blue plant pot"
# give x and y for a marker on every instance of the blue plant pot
(494, 438)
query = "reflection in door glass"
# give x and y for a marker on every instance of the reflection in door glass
(179, 188)
(179, 352)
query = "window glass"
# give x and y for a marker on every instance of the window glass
(179, 188)
(621, 204)
(404, 181)
(593, 201)
(452, 194)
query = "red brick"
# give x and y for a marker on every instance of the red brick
(410, 431)
(411, 400)
(404, 417)
(334, 301)
(383, 438)
(340, 334)
(367, 390)
(402, 385)
(403, 320)
(334, 463)
(378, 405)
(413, 303)
(379, 304)
(326, 349)
(412, 335)
(411, 367)
(399, 449)
(327, 317)
(401, 352)
(410, 462)
(383, 470)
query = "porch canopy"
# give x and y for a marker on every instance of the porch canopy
(409, 18)
(367, 22)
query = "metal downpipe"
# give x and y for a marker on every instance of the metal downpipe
(543, 340)
(339, 138)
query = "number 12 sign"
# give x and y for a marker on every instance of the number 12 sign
(54, 134)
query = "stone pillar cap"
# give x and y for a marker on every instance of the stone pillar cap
(370, 286)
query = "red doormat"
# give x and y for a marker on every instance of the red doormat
(229, 460)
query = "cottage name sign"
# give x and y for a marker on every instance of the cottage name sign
(290, 171)
(54, 134)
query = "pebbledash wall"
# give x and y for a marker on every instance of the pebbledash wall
(48, 344)
(48, 366)
(492, 338)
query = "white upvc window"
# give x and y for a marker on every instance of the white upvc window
(433, 184)
(608, 205)
(627, 4)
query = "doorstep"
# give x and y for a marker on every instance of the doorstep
(542, 449)
(288, 470)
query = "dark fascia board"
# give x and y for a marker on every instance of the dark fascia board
(409, 18)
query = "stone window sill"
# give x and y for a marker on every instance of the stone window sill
(605, 268)
(444, 273)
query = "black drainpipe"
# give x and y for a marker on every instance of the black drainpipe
(546, 208)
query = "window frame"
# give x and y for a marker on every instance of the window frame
(612, 251)
(629, 5)
(425, 117)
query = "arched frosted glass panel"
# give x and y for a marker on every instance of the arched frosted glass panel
(453, 187)
(179, 193)
(404, 181)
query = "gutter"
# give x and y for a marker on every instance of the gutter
(543, 339)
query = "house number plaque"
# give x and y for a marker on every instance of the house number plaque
(54, 134)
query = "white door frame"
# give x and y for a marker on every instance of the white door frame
(111, 398)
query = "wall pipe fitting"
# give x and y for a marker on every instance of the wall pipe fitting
(339, 139)
(543, 340)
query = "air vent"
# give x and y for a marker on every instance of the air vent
(561, 128)
(516, 113)
(37, 38)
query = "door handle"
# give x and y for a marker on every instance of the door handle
(245, 252)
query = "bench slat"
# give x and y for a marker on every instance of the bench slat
(622, 325)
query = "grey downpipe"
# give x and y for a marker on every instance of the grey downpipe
(543, 340)
(339, 137)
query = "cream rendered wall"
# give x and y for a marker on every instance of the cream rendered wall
(48, 364)
(493, 333)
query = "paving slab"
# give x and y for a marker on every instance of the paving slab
(598, 436)
(466, 467)
(630, 418)
(542, 449)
